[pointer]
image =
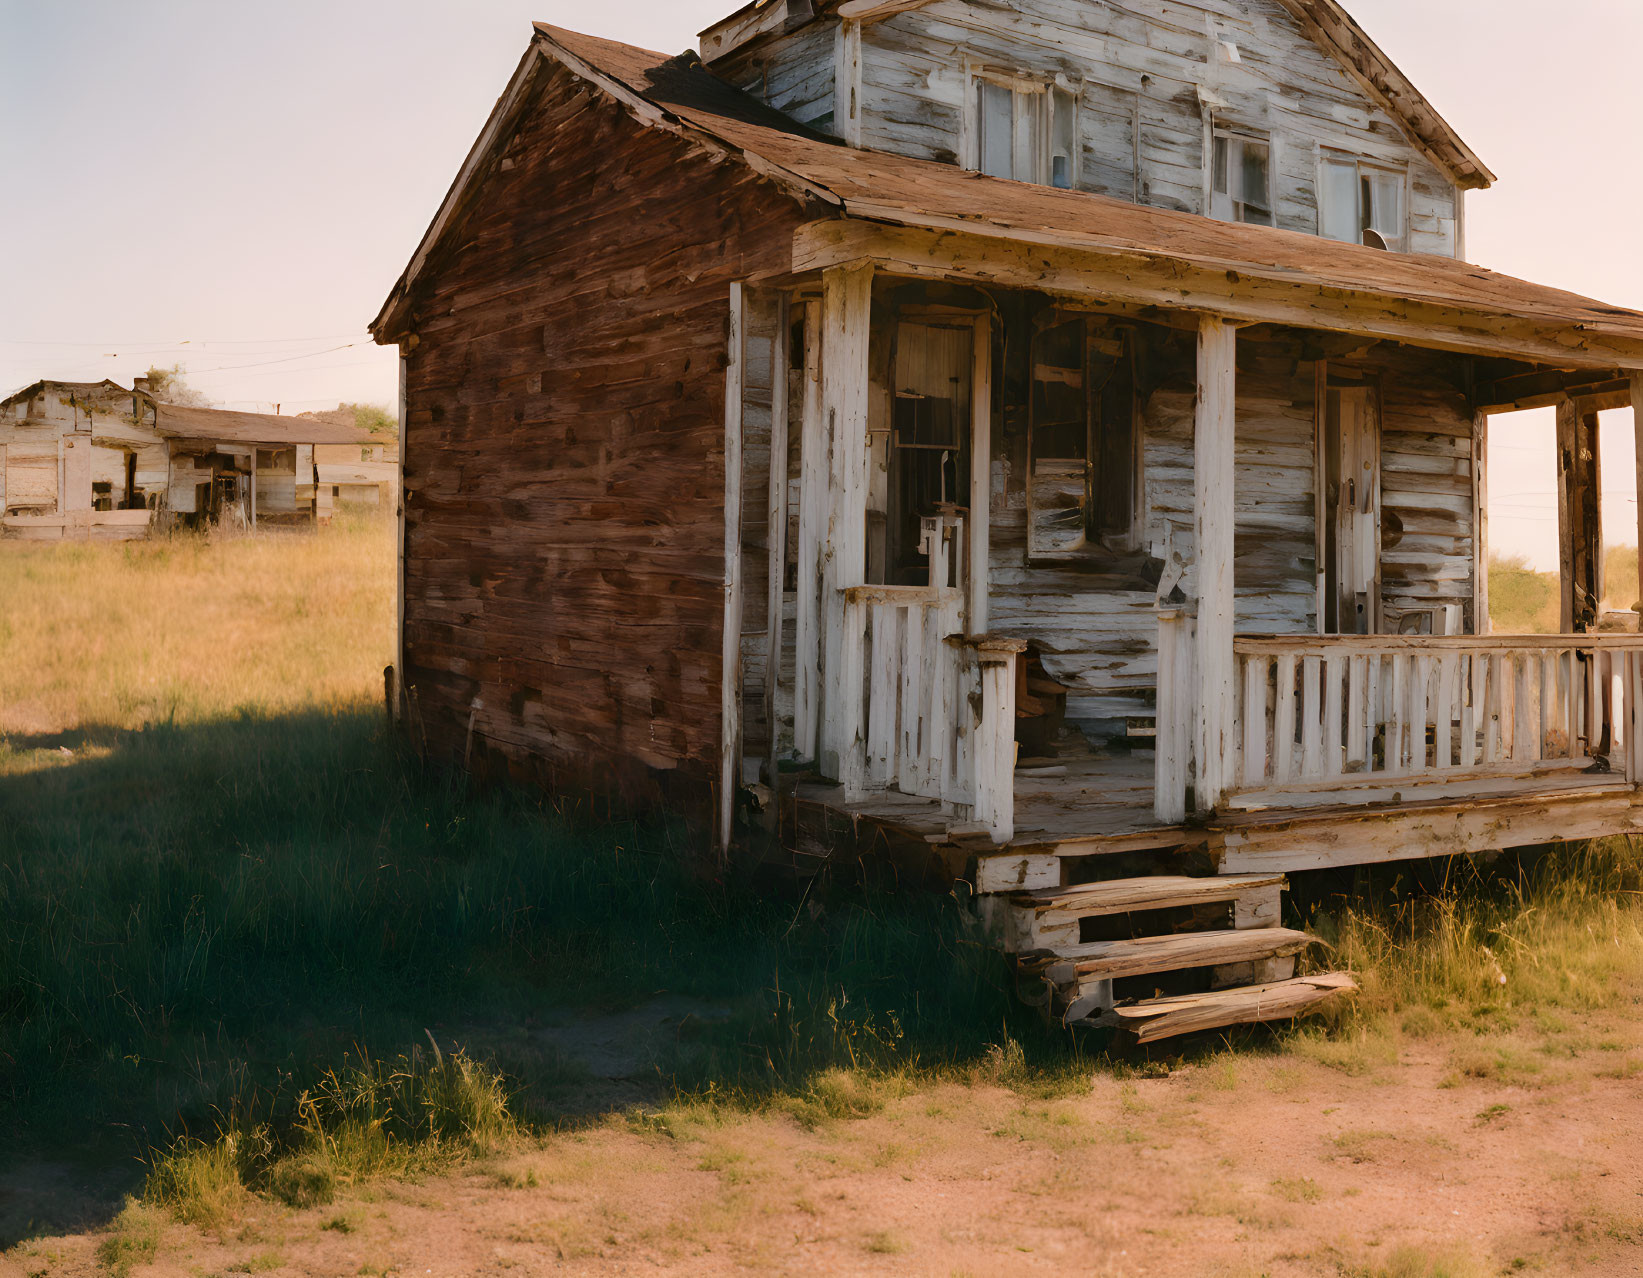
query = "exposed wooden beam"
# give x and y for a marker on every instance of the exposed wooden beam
(877, 10)
(1546, 388)
(1014, 258)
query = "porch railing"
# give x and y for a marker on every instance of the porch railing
(940, 706)
(1317, 713)
(1322, 719)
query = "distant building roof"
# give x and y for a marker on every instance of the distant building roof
(34, 388)
(178, 422)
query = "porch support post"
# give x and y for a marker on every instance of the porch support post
(981, 473)
(1580, 532)
(847, 297)
(1637, 420)
(730, 685)
(1480, 524)
(776, 532)
(1214, 434)
(813, 500)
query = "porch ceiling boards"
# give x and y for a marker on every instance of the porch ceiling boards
(940, 219)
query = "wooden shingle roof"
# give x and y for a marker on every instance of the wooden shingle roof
(677, 94)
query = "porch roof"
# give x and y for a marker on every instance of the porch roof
(1173, 258)
(222, 425)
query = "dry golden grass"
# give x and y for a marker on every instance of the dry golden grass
(188, 628)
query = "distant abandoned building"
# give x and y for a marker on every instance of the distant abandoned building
(1031, 439)
(93, 459)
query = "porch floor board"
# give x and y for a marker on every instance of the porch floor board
(1089, 803)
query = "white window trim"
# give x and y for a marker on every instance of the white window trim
(1218, 128)
(1041, 87)
(1334, 155)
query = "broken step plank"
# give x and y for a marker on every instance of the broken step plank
(1049, 918)
(1111, 960)
(1156, 892)
(1158, 1018)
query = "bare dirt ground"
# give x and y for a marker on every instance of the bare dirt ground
(1452, 1155)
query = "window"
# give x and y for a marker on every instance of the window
(1026, 131)
(1241, 185)
(1362, 203)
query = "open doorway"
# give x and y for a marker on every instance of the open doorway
(1350, 531)
(1525, 558)
(933, 364)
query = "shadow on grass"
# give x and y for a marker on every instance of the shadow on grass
(197, 922)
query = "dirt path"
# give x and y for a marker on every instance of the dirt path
(1454, 1155)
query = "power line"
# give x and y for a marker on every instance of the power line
(228, 368)
(161, 343)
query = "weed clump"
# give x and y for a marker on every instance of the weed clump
(361, 1121)
(133, 1239)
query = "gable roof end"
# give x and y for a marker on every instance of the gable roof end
(1325, 22)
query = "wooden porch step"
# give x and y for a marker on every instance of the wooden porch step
(1159, 892)
(1048, 919)
(1082, 965)
(1158, 1018)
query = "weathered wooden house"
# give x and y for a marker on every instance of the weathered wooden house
(95, 460)
(1044, 438)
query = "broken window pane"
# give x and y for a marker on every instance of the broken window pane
(1255, 187)
(1063, 138)
(1383, 206)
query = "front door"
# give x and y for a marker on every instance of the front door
(1349, 472)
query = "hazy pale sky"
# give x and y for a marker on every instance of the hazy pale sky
(236, 187)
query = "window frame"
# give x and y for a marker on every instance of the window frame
(1225, 131)
(1362, 166)
(1034, 106)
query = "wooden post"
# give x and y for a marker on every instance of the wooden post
(1568, 421)
(405, 349)
(1214, 433)
(776, 531)
(813, 489)
(1173, 724)
(730, 700)
(847, 296)
(1480, 524)
(995, 749)
(253, 502)
(981, 473)
(1637, 420)
(1579, 525)
(847, 82)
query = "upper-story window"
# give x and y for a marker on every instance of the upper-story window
(1024, 129)
(1241, 177)
(1362, 203)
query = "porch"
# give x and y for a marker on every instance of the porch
(1122, 609)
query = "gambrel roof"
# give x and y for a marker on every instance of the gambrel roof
(1174, 259)
(1326, 22)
